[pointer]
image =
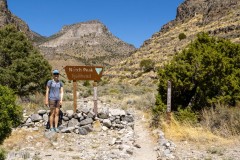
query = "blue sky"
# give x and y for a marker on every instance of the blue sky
(133, 21)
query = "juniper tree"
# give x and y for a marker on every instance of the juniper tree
(207, 71)
(10, 113)
(22, 67)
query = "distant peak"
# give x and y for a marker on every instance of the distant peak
(92, 26)
(86, 22)
(93, 21)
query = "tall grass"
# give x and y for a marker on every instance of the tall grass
(32, 103)
(187, 132)
(222, 120)
(220, 124)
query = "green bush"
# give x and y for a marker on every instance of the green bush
(182, 36)
(10, 113)
(147, 65)
(22, 67)
(204, 73)
(86, 83)
(86, 92)
(2, 154)
(186, 115)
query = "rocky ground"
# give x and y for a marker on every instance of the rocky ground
(190, 151)
(128, 143)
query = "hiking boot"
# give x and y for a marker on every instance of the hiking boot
(52, 129)
(57, 130)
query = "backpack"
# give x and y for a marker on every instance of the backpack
(59, 120)
(61, 84)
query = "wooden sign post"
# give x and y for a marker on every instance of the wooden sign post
(169, 91)
(95, 97)
(74, 96)
(84, 73)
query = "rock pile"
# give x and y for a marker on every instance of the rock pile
(112, 137)
(166, 148)
(83, 121)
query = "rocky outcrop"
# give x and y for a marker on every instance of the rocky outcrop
(88, 43)
(6, 17)
(216, 17)
(211, 10)
(78, 33)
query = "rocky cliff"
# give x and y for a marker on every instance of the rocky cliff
(86, 43)
(216, 17)
(211, 11)
(91, 43)
(6, 17)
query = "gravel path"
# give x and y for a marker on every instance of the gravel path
(107, 144)
(144, 139)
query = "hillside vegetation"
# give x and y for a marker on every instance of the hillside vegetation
(198, 52)
(218, 18)
(22, 67)
(204, 77)
(23, 71)
(205, 73)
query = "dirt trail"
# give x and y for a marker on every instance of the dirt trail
(144, 139)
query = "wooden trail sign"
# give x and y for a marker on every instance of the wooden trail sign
(84, 72)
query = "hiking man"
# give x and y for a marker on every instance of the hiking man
(53, 99)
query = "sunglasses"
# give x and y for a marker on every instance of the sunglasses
(55, 73)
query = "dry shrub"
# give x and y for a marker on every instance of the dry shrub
(222, 120)
(129, 96)
(220, 125)
(37, 98)
(143, 102)
(67, 105)
(32, 103)
(186, 132)
(20, 138)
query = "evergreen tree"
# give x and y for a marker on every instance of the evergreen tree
(10, 113)
(182, 36)
(22, 67)
(206, 72)
(147, 65)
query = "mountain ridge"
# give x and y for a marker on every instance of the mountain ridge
(91, 43)
(190, 20)
(6, 17)
(85, 43)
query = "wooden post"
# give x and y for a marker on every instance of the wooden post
(169, 91)
(95, 97)
(74, 96)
